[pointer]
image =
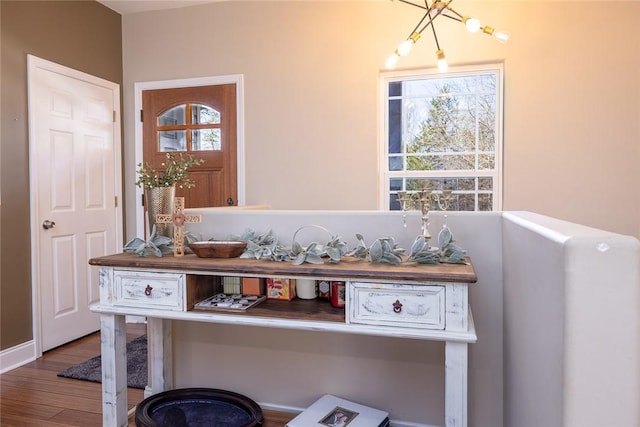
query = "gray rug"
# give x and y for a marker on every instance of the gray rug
(90, 370)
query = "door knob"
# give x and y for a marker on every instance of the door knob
(46, 224)
(230, 201)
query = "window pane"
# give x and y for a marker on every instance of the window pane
(395, 185)
(205, 140)
(485, 202)
(395, 163)
(394, 204)
(395, 88)
(172, 140)
(204, 115)
(485, 184)
(463, 202)
(460, 184)
(441, 162)
(173, 117)
(395, 126)
(486, 161)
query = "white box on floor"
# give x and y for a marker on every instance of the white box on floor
(332, 411)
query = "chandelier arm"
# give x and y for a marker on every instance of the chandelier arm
(431, 18)
(458, 17)
(455, 18)
(435, 37)
(420, 23)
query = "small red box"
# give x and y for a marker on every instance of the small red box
(282, 289)
(253, 286)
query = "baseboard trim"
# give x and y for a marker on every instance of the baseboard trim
(17, 356)
(294, 410)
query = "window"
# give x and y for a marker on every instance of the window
(201, 132)
(444, 131)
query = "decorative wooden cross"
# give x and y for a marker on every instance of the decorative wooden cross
(178, 219)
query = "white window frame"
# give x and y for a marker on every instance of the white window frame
(385, 175)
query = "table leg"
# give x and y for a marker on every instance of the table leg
(113, 342)
(456, 367)
(160, 356)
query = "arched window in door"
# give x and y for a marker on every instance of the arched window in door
(189, 127)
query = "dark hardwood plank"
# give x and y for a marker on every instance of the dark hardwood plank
(34, 396)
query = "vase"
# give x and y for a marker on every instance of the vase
(160, 200)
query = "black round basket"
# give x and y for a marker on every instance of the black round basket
(198, 407)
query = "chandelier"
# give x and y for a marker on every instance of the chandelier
(433, 10)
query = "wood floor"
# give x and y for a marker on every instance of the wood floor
(34, 396)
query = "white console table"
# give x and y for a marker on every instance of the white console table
(426, 302)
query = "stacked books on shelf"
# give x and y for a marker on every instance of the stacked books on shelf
(332, 411)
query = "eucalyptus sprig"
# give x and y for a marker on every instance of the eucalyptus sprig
(422, 253)
(447, 252)
(174, 171)
(382, 250)
(450, 253)
(315, 252)
(262, 246)
(157, 245)
(335, 248)
(311, 254)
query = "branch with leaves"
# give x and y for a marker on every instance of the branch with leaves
(174, 171)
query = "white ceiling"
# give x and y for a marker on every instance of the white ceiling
(125, 7)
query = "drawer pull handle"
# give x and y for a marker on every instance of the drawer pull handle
(397, 306)
(147, 290)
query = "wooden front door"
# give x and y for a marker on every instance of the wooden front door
(200, 121)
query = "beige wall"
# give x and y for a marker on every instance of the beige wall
(311, 70)
(82, 35)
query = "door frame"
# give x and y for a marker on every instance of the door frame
(139, 87)
(34, 62)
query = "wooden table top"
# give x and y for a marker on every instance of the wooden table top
(348, 268)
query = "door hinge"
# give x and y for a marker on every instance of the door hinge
(142, 197)
(141, 119)
(114, 116)
(116, 201)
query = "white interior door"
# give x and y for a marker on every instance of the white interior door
(75, 184)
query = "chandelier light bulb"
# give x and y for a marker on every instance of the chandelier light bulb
(405, 47)
(472, 24)
(392, 61)
(501, 36)
(442, 61)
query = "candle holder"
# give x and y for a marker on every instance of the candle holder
(443, 203)
(421, 200)
(423, 203)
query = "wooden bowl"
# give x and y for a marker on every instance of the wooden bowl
(218, 249)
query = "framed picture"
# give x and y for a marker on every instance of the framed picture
(338, 417)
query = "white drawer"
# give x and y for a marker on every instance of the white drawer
(149, 290)
(399, 305)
